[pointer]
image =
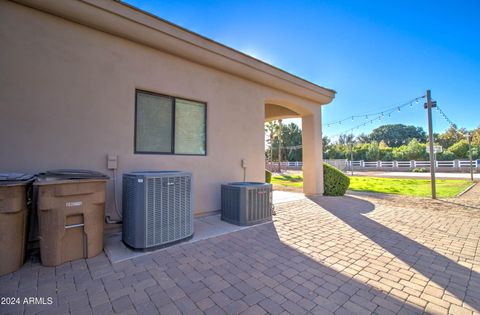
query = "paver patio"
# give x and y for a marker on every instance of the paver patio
(350, 255)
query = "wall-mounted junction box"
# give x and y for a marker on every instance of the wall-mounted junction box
(244, 163)
(112, 162)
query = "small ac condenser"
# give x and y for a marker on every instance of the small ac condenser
(246, 203)
(157, 208)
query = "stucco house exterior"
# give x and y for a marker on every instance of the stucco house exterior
(83, 79)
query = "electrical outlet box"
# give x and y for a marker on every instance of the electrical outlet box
(244, 163)
(112, 162)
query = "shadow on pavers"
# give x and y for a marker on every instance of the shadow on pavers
(351, 210)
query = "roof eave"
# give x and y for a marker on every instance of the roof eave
(126, 21)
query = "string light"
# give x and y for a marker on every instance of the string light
(367, 116)
(377, 116)
(450, 122)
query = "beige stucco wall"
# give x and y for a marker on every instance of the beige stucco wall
(67, 100)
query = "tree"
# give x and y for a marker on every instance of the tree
(398, 134)
(291, 143)
(476, 136)
(346, 139)
(326, 142)
(414, 150)
(450, 136)
(446, 156)
(373, 151)
(460, 149)
(271, 128)
(363, 138)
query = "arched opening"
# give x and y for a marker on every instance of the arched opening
(311, 142)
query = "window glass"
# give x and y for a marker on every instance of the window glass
(154, 123)
(190, 126)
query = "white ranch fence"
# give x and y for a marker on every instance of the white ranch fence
(344, 165)
(455, 165)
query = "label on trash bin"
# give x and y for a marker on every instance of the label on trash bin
(73, 204)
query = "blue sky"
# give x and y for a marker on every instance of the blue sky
(375, 54)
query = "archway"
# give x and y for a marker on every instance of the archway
(312, 152)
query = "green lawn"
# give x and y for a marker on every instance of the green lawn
(407, 187)
(288, 180)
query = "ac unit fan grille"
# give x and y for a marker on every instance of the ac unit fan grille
(258, 204)
(168, 209)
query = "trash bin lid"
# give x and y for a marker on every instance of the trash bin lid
(68, 174)
(15, 178)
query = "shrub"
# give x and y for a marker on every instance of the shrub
(420, 170)
(446, 156)
(414, 150)
(335, 182)
(460, 149)
(373, 152)
(268, 176)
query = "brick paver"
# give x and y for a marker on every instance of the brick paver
(350, 255)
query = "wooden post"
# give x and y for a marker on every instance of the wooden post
(469, 137)
(428, 106)
(351, 158)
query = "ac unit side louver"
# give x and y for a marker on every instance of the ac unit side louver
(157, 208)
(246, 203)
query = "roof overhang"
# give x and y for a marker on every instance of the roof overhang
(125, 21)
(275, 112)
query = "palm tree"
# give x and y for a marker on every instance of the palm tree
(272, 129)
(346, 138)
(279, 135)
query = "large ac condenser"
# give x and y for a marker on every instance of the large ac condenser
(157, 208)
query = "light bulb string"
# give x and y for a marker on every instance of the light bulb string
(387, 111)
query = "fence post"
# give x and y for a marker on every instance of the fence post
(456, 164)
(413, 164)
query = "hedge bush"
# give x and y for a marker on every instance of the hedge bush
(268, 176)
(335, 182)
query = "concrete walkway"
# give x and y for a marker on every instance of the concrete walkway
(280, 196)
(205, 227)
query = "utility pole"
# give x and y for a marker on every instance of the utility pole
(469, 137)
(429, 106)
